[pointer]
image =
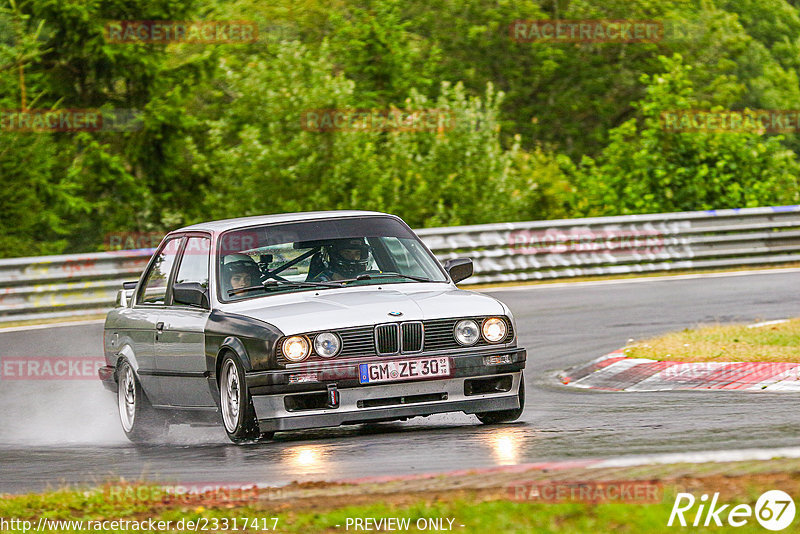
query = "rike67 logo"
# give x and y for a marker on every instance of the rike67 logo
(774, 510)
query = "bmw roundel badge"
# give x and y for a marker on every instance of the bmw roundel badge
(395, 313)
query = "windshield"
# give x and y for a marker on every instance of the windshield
(322, 254)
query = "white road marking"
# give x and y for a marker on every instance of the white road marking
(51, 325)
(767, 323)
(643, 279)
(741, 455)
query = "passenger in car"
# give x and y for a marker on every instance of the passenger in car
(239, 270)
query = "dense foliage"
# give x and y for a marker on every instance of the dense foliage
(540, 130)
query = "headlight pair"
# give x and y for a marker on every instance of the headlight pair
(493, 330)
(297, 348)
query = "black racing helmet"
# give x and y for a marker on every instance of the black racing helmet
(239, 264)
(353, 262)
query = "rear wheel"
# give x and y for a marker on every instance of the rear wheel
(238, 414)
(506, 416)
(140, 421)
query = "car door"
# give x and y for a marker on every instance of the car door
(180, 338)
(144, 316)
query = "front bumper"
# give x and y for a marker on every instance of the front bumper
(359, 403)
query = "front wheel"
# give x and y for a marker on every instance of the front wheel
(238, 414)
(506, 416)
(140, 421)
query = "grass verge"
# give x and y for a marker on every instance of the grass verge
(486, 506)
(724, 343)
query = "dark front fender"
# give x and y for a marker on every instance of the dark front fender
(234, 345)
(251, 341)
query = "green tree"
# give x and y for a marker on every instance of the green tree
(267, 163)
(31, 196)
(105, 181)
(645, 168)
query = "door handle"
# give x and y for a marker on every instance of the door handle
(160, 327)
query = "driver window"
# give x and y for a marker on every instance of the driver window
(154, 289)
(194, 262)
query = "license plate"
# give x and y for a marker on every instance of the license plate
(369, 373)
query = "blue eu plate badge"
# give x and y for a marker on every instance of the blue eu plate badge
(362, 370)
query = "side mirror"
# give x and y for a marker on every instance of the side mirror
(125, 294)
(459, 269)
(190, 294)
(124, 298)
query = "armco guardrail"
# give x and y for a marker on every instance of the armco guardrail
(68, 285)
(80, 284)
(626, 244)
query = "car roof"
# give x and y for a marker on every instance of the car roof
(242, 222)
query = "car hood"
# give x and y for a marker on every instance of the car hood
(331, 309)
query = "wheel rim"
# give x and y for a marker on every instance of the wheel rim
(229, 392)
(127, 399)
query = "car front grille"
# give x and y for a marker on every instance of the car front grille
(387, 339)
(439, 334)
(412, 336)
(399, 338)
(357, 342)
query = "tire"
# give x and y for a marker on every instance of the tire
(236, 405)
(140, 421)
(506, 416)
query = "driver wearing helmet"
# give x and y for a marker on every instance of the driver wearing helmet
(347, 258)
(238, 271)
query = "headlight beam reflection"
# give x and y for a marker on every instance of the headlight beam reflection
(505, 445)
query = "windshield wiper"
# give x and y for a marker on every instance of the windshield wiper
(370, 276)
(269, 284)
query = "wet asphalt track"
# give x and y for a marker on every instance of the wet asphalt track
(56, 432)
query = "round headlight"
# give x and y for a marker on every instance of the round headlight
(327, 344)
(467, 332)
(494, 329)
(295, 348)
